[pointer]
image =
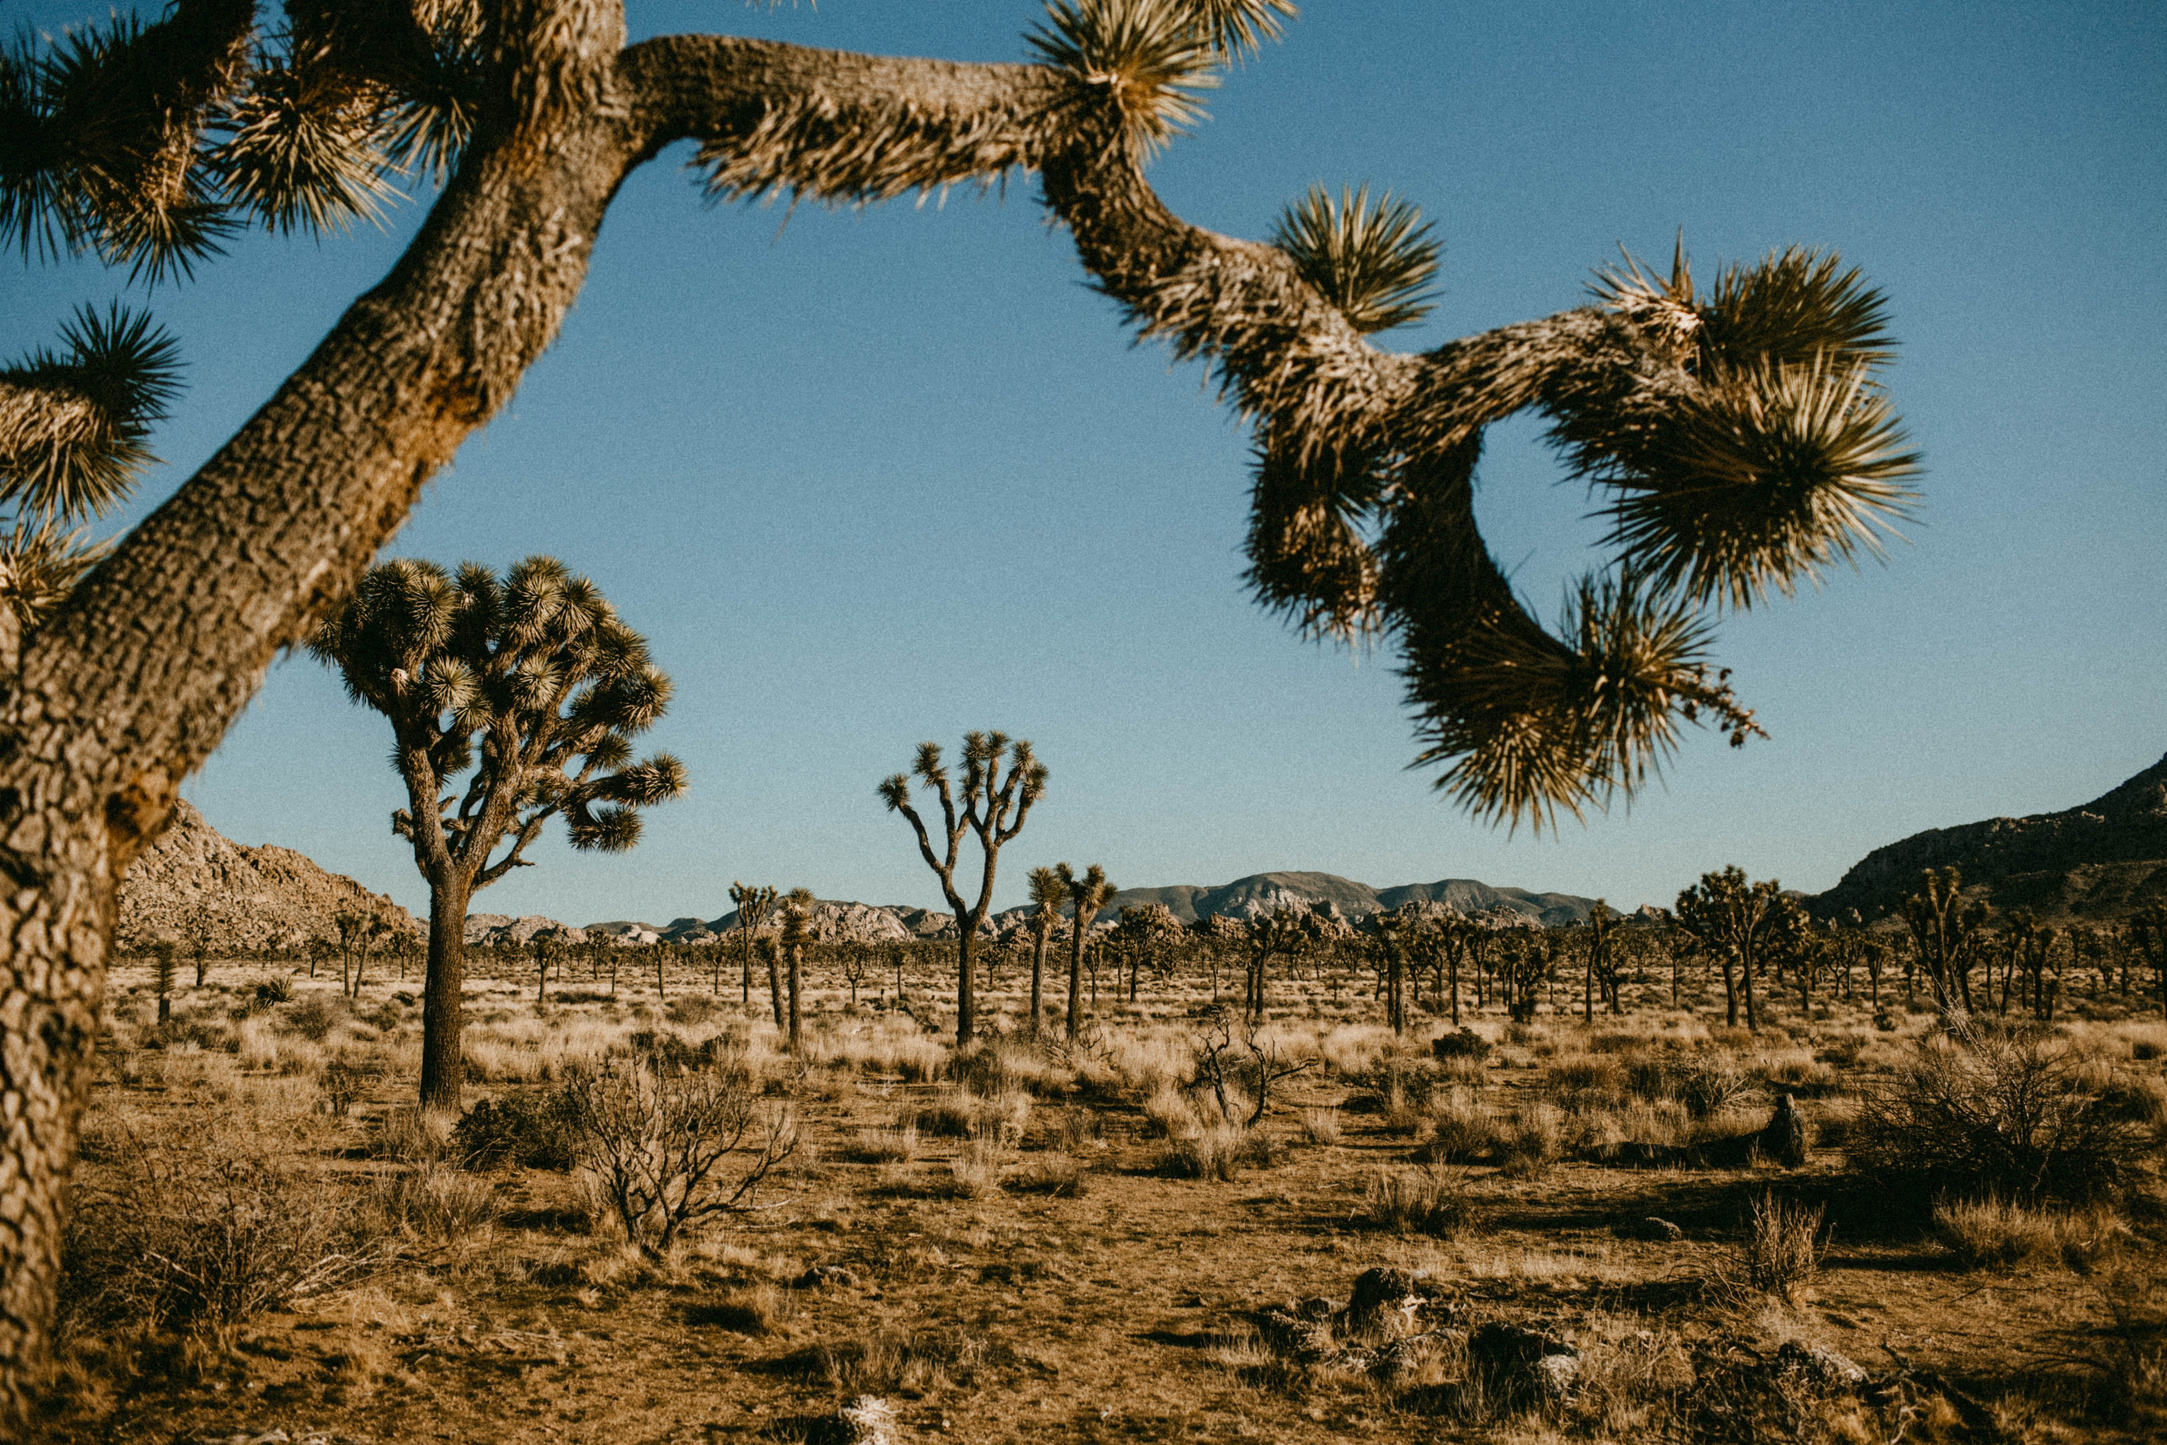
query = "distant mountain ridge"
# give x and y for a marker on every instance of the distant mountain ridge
(2103, 860)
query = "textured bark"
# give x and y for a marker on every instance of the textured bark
(443, 1063)
(131, 684)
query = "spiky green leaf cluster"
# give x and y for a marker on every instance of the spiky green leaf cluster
(75, 423)
(1373, 261)
(148, 144)
(1154, 58)
(530, 679)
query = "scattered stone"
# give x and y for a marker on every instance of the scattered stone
(1305, 1339)
(1783, 1139)
(1660, 1231)
(1820, 1367)
(826, 1276)
(1384, 1301)
(1523, 1361)
(867, 1420)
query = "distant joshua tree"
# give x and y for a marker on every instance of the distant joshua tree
(1739, 925)
(1048, 893)
(753, 906)
(531, 681)
(199, 931)
(1946, 933)
(993, 809)
(163, 953)
(1087, 895)
(796, 933)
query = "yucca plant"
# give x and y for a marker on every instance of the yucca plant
(532, 687)
(1088, 892)
(1372, 261)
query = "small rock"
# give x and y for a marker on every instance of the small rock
(1522, 1361)
(1818, 1366)
(1383, 1298)
(1316, 1307)
(867, 1420)
(1783, 1139)
(1661, 1231)
(824, 1276)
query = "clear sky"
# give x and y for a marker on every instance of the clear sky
(879, 476)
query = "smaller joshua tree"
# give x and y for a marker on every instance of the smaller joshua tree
(1088, 894)
(796, 932)
(1946, 931)
(1048, 893)
(163, 955)
(534, 683)
(993, 807)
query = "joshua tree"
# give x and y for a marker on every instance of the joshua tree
(796, 915)
(753, 907)
(1738, 925)
(1281, 933)
(1392, 935)
(2148, 936)
(1048, 893)
(1086, 895)
(549, 950)
(994, 806)
(532, 682)
(854, 959)
(361, 931)
(1945, 932)
(1601, 960)
(1143, 934)
(199, 931)
(1736, 427)
(164, 952)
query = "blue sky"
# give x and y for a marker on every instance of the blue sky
(879, 476)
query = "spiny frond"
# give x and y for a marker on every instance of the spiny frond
(1762, 476)
(40, 565)
(74, 425)
(1372, 262)
(1795, 305)
(1238, 29)
(303, 148)
(1154, 57)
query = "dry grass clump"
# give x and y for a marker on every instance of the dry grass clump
(892, 1362)
(975, 1172)
(1466, 1129)
(1417, 1201)
(1321, 1127)
(433, 1203)
(1990, 1233)
(1704, 1083)
(1537, 1138)
(961, 1114)
(1215, 1151)
(1781, 1252)
(896, 1145)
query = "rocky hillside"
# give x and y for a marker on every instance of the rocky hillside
(2103, 860)
(252, 897)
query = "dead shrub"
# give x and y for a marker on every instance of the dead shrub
(654, 1145)
(206, 1235)
(531, 1128)
(2012, 1113)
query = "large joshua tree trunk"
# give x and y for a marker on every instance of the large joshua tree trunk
(443, 1061)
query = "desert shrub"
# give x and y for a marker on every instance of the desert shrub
(205, 1235)
(1993, 1233)
(532, 1129)
(1417, 1201)
(655, 1144)
(1465, 1044)
(341, 1084)
(434, 1203)
(1071, 1130)
(1398, 1081)
(1781, 1251)
(692, 1009)
(2009, 1113)
(1168, 1113)
(1219, 1151)
(314, 1016)
(962, 1115)
(1466, 1129)
(274, 990)
(1009, 1064)
(1321, 1126)
(1704, 1084)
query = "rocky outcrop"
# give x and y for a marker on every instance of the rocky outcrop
(2104, 860)
(498, 930)
(1264, 893)
(252, 899)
